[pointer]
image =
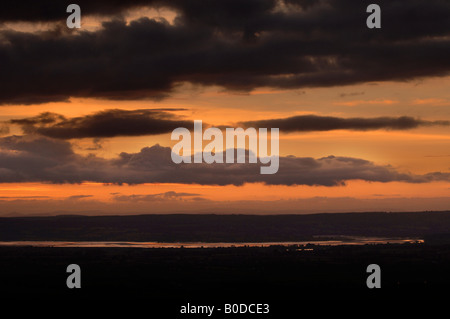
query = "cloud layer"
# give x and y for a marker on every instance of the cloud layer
(107, 123)
(116, 122)
(40, 159)
(305, 123)
(238, 45)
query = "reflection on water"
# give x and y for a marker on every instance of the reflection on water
(128, 244)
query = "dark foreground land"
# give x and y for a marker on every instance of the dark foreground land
(224, 228)
(275, 274)
(285, 277)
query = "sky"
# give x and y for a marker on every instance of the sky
(86, 115)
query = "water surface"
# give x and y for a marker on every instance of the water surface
(128, 244)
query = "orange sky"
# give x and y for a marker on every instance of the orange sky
(418, 151)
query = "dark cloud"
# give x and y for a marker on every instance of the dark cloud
(193, 10)
(55, 10)
(305, 123)
(110, 123)
(238, 45)
(107, 123)
(40, 159)
(97, 145)
(42, 147)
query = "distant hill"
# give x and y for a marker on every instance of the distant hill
(226, 228)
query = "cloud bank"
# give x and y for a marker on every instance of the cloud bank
(116, 122)
(41, 159)
(306, 123)
(107, 123)
(237, 45)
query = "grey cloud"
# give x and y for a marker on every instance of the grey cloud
(47, 160)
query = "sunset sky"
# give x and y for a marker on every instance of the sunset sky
(86, 114)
